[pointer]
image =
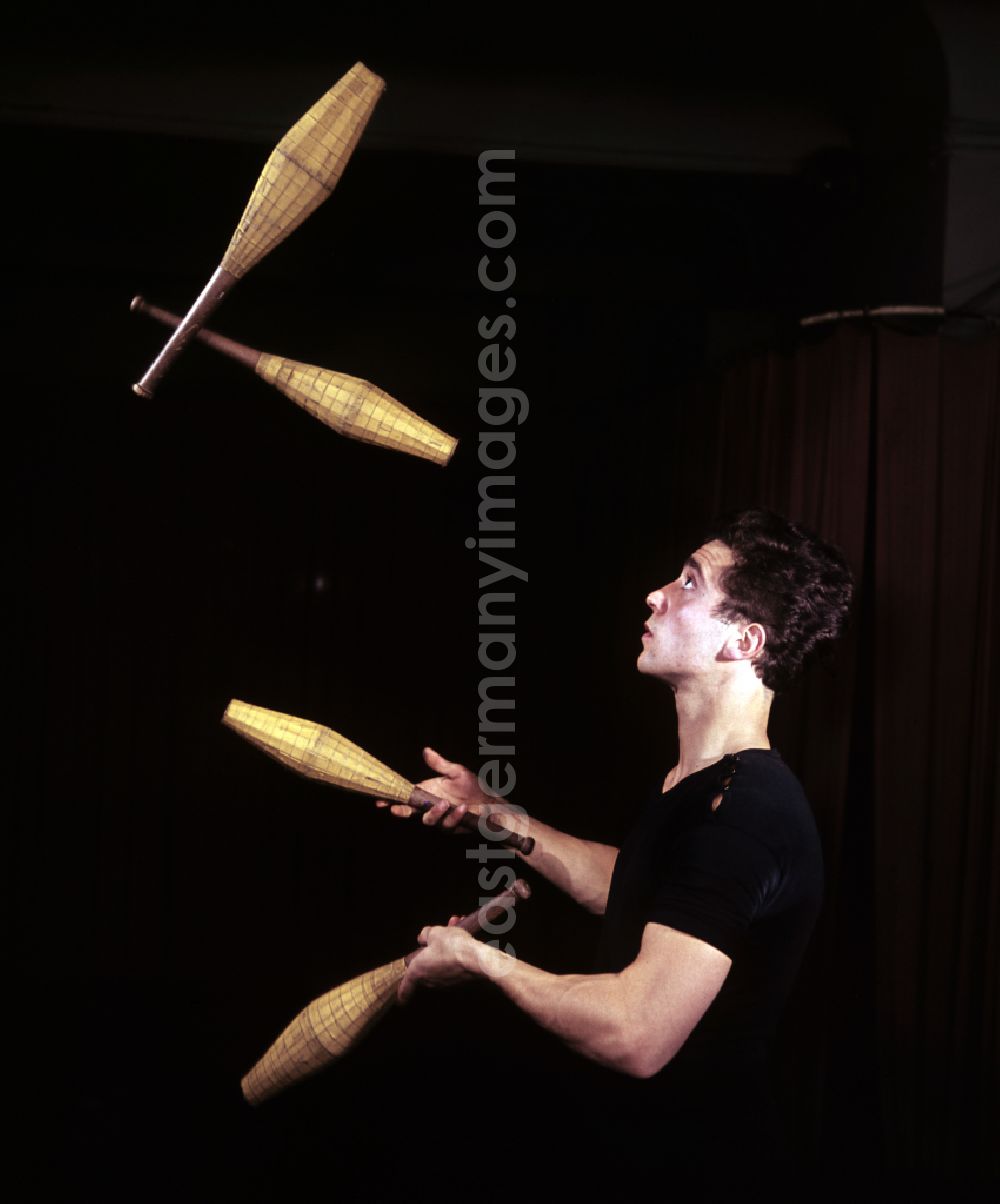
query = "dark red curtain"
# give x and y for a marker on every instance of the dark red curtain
(937, 723)
(887, 443)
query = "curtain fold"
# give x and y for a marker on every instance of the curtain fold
(936, 731)
(794, 435)
(887, 444)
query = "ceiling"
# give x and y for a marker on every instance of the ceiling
(754, 90)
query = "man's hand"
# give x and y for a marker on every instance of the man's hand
(449, 956)
(582, 868)
(456, 786)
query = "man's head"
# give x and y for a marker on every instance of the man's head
(758, 597)
(785, 578)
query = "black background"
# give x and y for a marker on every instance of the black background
(178, 896)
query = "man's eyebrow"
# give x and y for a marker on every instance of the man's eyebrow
(691, 563)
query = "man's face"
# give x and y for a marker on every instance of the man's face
(682, 637)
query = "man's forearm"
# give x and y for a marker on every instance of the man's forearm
(582, 868)
(633, 1021)
(590, 1012)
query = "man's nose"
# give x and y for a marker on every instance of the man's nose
(655, 599)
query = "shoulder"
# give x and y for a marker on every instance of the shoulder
(761, 770)
(750, 820)
(759, 795)
(764, 808)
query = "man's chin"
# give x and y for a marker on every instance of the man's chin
(657, 673)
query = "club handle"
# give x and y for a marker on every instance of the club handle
(237, 351)
(210, 296)
(423, 801)
(491, 910)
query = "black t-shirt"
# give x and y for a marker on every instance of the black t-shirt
(747, 878)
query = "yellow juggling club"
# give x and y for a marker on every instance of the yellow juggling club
(331, 1024)
(352, 407)
(318, 752)
(300, 173)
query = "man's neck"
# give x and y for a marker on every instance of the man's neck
(725, 717)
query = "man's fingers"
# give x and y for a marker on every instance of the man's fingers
(434, 814)
(448, 815)
(453, 817)
(401, 809)
(441, 764)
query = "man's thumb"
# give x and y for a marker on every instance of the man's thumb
(439, 763)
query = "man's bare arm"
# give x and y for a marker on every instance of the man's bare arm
(635, 1021)
(582, 868)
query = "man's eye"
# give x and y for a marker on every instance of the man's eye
(687, 581)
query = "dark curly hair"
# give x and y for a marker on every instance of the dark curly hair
(788, 580)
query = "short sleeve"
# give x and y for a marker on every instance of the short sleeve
(713, 884)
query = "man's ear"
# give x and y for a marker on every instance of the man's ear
(745, 643)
